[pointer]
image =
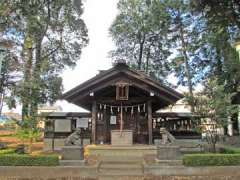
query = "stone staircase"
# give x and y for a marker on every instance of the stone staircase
(120, 170)
(121, 162)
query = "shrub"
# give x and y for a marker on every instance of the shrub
(229, 150)
(7, 151)
(28, 160)
(211, 159)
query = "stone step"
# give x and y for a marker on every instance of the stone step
(72, 162)
(121, 158)
(121, 177)
(120, 165)
(116, 168)
(121, 172)
(169, 162)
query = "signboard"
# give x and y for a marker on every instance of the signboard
(82, 123)
(62, 125)
(113, 120)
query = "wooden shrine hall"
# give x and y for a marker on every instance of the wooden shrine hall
(122, 103)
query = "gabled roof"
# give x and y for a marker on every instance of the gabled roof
(121, 72)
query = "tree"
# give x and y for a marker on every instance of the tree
(214, 105)
(222, 28)
(51, 35)
(185, 37)
(9, 68)
(140, 38)
(225, 13)
(28, 131)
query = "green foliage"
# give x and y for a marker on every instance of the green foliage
(211, 160)
(214, 103)
(162, 37)
(214, 106)
(27, 160)
(140, 38)
(224, 13)
(49, 36)
(7, 151)
(230, 150)
(10, 125)
(28, 131)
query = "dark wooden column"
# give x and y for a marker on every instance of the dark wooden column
(105, 125)
(149, 111)
(94, 116)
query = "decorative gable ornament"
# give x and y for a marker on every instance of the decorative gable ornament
(122, 90)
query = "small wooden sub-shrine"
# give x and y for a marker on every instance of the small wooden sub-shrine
(121, 102)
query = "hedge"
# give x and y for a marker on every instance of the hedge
(230, 150)
(7, 151)
(28, 160)
(211, 159)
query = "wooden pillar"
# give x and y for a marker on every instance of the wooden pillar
(53, 134)
(238, 120)
(149, 110)
(105, 125)
(94, 117)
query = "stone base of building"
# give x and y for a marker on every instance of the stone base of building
(72, 162)
(166, 152)
(122, 138)
(72, 153)
(121, 153)
(57, 144)
(168, 162)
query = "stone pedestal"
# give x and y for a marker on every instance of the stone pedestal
(72, 153)
(122, 138)
(168, 152)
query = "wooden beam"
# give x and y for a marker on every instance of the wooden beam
(149, 111)
(94, 117)
(129, 101)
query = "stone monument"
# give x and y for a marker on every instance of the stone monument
(73, 151)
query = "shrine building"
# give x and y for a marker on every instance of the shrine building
(123, 107)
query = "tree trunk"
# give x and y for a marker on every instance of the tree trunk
(36, 78)
(147, 61)
(30, 145)
(141, 53)
(26, 91)
(187, 68)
